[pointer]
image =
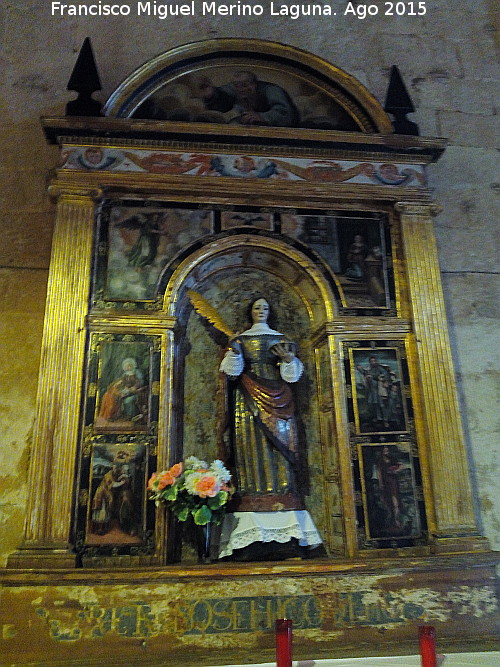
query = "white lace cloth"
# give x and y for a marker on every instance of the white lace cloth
(242, 528)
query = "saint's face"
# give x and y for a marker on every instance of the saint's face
(129, 365)
(260, 311)
(245, 85)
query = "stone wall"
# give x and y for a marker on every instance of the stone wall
(447, 60)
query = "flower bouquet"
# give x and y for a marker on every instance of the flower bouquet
(193, 488)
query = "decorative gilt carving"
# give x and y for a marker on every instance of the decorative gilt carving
(428, 210)
(74, 194)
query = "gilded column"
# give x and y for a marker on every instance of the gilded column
(447, 457)
(52, 464)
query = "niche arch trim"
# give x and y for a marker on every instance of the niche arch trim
(256, 252)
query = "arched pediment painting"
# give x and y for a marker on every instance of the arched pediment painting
(248, 83)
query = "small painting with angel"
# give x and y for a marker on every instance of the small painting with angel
(142, 241)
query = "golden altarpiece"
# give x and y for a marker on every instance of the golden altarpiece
(313, 202)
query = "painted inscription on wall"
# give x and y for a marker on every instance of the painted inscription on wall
(210, 616)
(245, 614)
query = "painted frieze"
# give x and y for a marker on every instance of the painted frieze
(369, 172)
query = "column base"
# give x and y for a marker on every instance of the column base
(41, 557)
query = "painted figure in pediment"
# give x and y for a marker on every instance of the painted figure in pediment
(246, 100)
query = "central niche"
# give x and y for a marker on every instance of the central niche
(230, 281)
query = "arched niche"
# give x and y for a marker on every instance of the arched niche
(230, 273)
(318, 95)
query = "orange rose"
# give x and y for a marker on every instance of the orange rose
(176, 470)
(152, 480)
(166, 479)
(206, 487)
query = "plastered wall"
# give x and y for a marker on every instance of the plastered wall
(447, 59)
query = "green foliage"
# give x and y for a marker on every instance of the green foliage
(170, 493)
(182, 513)
(218, 501)
(202, 516)
(185, 490)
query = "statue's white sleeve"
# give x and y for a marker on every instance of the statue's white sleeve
(292, 370)
(232, 364)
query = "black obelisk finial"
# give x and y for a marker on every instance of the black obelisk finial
(398, 103)
(84, 80)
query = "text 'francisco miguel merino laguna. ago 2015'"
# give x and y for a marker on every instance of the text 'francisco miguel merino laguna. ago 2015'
(215, 8)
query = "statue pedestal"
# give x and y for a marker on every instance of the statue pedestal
(240, 529)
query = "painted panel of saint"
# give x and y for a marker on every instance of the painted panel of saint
(389, 496)
(124, 387)
(141, 243)
(379, 405)
(117, 495)
(247, 96)
(357, 251)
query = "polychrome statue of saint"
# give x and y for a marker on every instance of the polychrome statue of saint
(264, 426)
(267, 520)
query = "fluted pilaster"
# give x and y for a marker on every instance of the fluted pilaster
(446, 448)
(52, 466)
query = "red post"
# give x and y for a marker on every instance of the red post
(283, 642)
(427, 641)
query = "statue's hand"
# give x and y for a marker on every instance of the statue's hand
(235, 346)
(284, 351)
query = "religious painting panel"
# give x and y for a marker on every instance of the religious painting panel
(248, 93)
(116, 508)
(378, 393)
(137, 240)
(356, 248)
(389, 492)
(123, 386)
(114, 518)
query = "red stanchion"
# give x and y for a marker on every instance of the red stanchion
(283, 642)
(427, 641)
